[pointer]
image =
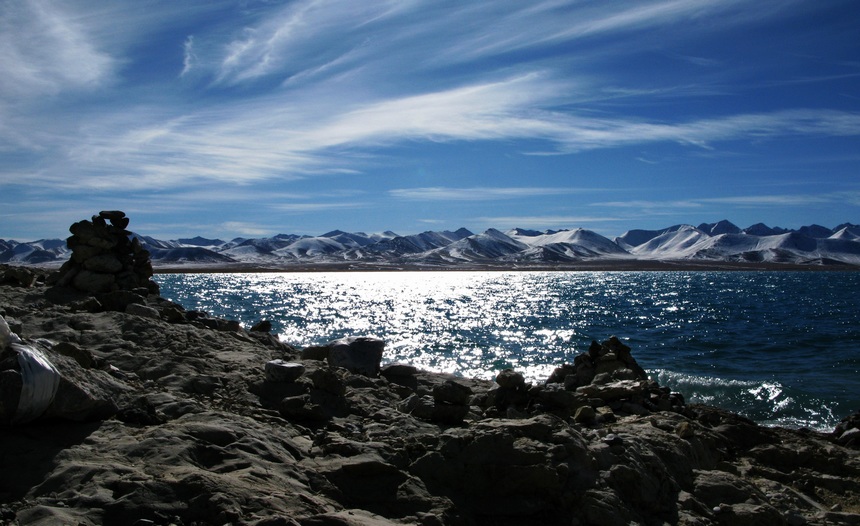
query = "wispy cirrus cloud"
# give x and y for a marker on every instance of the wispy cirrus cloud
(562, 221)
(439, 193)
(45, 50)
(756, 200)
(246, 142)
(149, 104)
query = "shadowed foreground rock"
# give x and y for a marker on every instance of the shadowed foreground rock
(195, 420)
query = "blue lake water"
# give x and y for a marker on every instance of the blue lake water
(778, 347)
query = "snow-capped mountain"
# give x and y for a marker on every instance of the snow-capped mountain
(708, 242)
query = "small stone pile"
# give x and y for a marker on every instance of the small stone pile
(105, 257)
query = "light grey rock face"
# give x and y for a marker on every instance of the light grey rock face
(360, 355)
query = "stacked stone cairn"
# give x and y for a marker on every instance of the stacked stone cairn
(105, 257)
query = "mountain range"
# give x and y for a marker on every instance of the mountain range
(517, 248)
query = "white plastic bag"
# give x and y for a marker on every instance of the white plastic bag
(39, 376)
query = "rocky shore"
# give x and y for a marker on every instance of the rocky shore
(118, 406)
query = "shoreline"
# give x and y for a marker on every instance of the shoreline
(168, 416)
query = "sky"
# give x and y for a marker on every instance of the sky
(252, 118)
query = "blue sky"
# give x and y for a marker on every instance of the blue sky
(252, 118)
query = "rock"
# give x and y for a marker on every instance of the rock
(360, 355)
(398, 369)
(104, 263)
(281, 371)
(452, 392)
(18, 276)
(328, 380)
(200, 437)
(137, 309)
(510, 379)
(11, 384)
(623, 389)
(418, 406)
(93, 282)
(83, 356)
(262, 326)
(585, 415)
(119, 300)
(316, 352)
(104, 259)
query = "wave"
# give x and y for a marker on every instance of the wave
(767, 402)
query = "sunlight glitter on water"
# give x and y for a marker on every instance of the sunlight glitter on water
(773, 346)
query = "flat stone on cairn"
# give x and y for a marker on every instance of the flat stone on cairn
(105, 257)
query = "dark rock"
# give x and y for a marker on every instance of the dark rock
(141, 412)
(328, 380)
(112, 215)
(316, 352)
(11, 384)
(103, 259)
(83, 356)
(510, 379)
(398, 369)
(18, 276)
(360, 355)
(119, 300)
(93, 282)
(262, 326)
(585, 415)
(452, 392)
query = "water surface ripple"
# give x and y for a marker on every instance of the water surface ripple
(778, 347)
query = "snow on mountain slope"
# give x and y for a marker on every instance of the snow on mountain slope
(201, 242)
(349, 240)
(635, 238)
(188, 255)
(310, 247)
(418, 243)
(34, 252)
(249, 253)
(847, 233)
(721, 241)
(681, 243)
(576, 243)
(490, 245)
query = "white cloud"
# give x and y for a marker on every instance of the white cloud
(245, 228)
(189, 58)
(556, 221)
(302, 208)
(45, 50)
(475, 193)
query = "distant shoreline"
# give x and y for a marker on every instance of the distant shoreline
(581, 266)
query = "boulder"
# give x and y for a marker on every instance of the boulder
(282, 371)
(18, 276)
(452, 392)
(510, 379)
(360, 355)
